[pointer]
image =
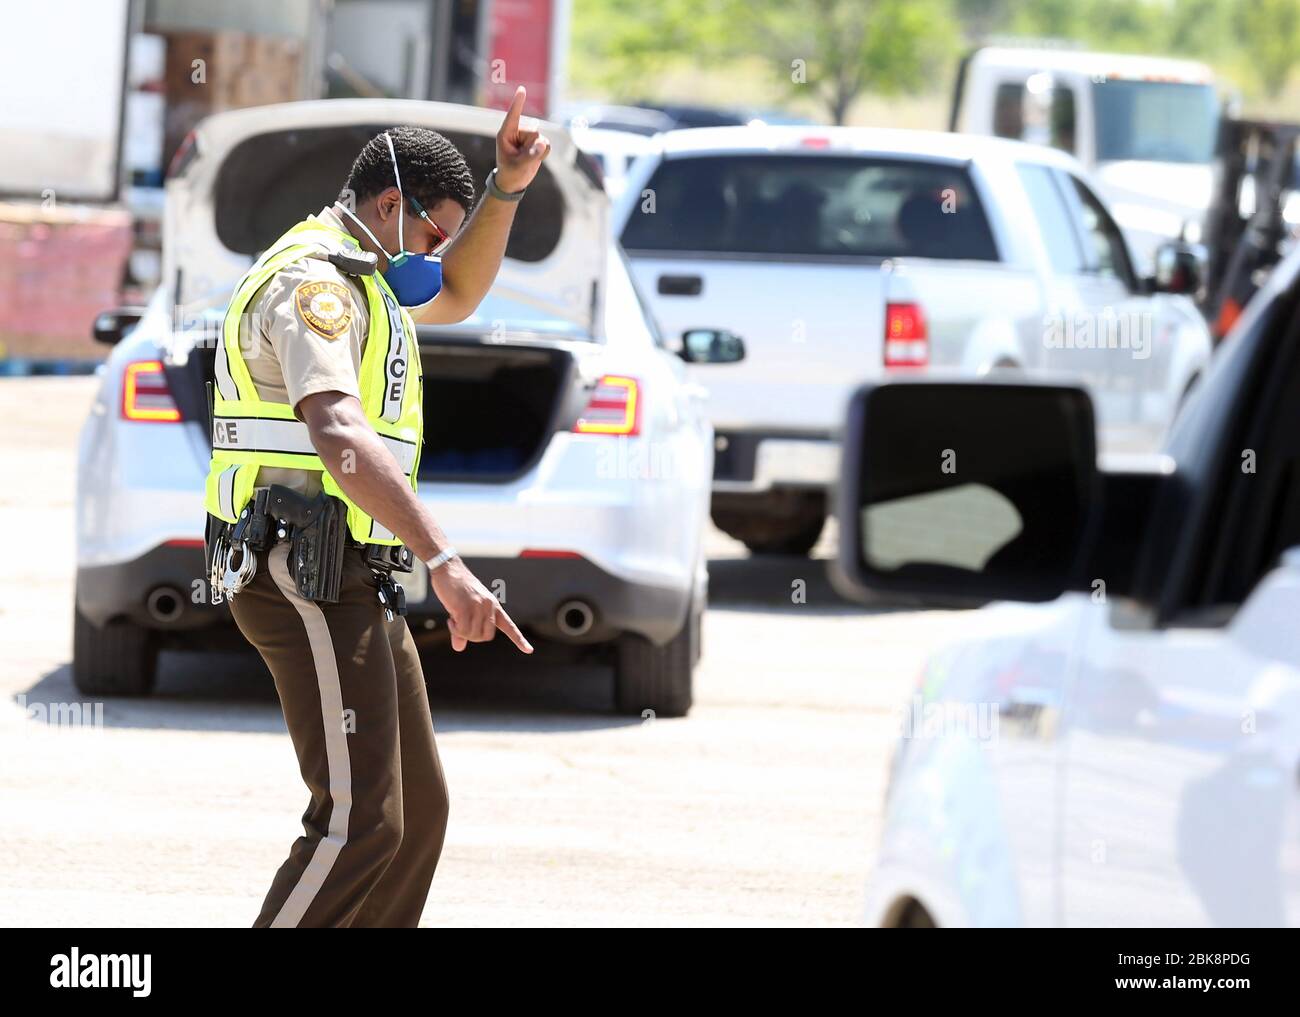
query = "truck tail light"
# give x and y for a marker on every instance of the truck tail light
(145, 395)
(615, 407)
(907, 339)
(1229, 312)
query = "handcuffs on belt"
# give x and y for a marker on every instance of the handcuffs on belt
(318, 535)
(238, 543)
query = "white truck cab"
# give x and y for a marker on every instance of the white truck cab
(1145, 127)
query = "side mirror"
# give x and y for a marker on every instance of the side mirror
(968, 491)
(1180, 267)
(111, 327)
(711, 346)
(1037, 100)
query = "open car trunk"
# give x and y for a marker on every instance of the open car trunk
(490, 409)
(252, 173)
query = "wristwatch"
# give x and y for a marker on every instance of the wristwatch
(494, 189)
(441, 558)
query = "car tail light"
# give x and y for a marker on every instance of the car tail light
(907, 339)
(145, 395)
(615, 408)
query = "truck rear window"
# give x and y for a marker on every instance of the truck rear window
(810, 205)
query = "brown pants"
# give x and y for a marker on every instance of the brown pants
(355, 703)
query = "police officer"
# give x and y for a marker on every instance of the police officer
(318, 390)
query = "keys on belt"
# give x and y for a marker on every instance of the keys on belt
(391, 595)
(384, 560)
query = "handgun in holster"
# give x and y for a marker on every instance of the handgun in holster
(317, 543)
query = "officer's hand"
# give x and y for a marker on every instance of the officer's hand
(473, 614)
(519, 152)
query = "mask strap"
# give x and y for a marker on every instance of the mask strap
(401, 242)
(375, 240)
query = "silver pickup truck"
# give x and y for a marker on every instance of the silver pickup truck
(838, 254)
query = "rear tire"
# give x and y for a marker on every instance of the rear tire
(794, 541)
(658, 678)
(120, 659)
(780, 522)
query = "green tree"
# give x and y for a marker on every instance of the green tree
(1270, 32)
(837, 49)
(841, 49)
(1200, 28)
(618, 45)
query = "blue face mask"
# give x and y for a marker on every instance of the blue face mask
(415, 279)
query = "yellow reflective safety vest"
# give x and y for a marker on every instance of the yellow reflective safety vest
(249, 432)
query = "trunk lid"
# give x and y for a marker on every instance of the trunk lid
(250, 174)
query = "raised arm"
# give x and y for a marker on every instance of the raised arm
(471, 263)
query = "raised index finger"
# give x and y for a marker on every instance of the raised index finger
(510, 125)
(506, 625)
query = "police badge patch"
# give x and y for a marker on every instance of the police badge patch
(325, 306)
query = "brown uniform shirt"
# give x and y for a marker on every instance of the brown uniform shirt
(311, 321)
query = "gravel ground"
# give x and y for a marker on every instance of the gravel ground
(760, 808)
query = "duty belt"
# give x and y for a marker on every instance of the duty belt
(318, 534)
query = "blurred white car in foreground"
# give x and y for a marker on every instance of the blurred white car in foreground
(564, 451)
(1125, 752)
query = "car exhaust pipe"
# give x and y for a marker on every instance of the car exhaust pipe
(165, 604)
(575, 618)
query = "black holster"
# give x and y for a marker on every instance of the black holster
(318, 538)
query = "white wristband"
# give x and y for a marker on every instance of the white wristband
(441, 558)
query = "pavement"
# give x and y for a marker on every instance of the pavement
(760, 808)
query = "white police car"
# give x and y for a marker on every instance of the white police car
(564, 453)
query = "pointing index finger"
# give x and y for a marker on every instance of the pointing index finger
(510, 126)
(506, 625)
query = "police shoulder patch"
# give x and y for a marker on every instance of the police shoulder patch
(325, 306)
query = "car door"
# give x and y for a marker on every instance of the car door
(1062, 269)
(1181, 803)
(1182, 731)
(1084, 305)
(1133, 340)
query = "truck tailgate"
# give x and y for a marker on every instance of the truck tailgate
(812, 331)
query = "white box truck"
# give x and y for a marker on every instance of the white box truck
(1144, 126)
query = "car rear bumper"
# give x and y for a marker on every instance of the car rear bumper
(535, 591)
(123, 590)
(750, 461)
